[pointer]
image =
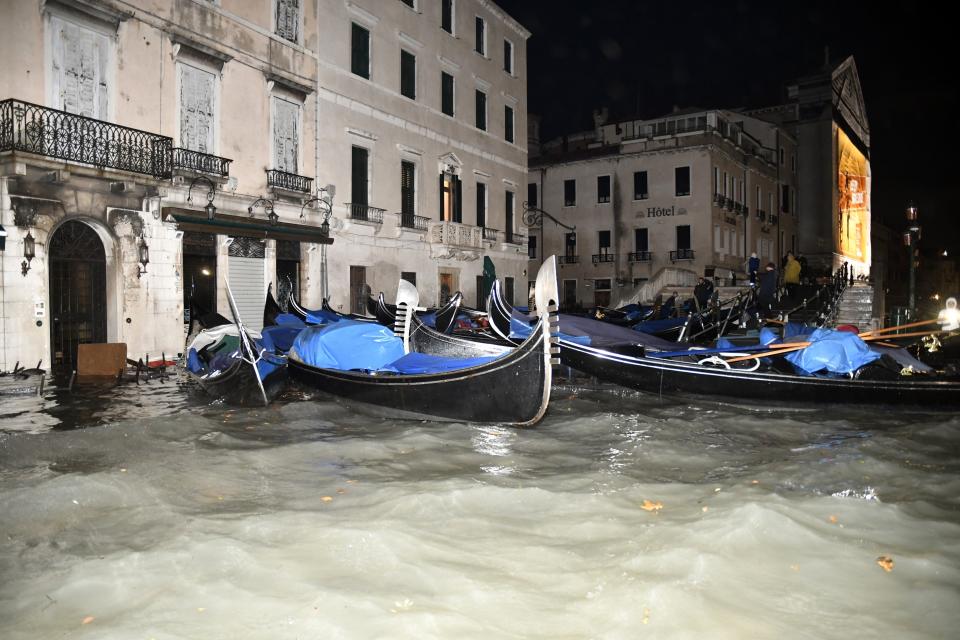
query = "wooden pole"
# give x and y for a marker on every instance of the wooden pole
(899, 326)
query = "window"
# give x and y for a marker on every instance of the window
(603, 241)
(81, 59)
(451, 195)
(446, 93)
(569, 193)
(785, 201)
(288, 19)
(481, 110)
(508, 210)
(531, 247)
(446, 16)
(682, 176)
(359, 175)
(793, 162)
(197, 108)
(570, 243)
(603, 189)
(532, 194)
(286, 138)
(683, 237)
(508, 56)
(409, 276)
(508, 123)
(640, 191)
(408, 74)
(359, 51)
(481, 204)
(781, 155)
(408, 193)
(481, 44)
(641, 240)
(410, 3)
(716, 180)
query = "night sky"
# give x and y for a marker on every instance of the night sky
(644, 58)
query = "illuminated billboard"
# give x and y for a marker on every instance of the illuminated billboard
(852, 232)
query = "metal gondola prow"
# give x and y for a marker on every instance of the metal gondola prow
(245, 344)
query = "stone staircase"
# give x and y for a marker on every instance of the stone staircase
(856, 306)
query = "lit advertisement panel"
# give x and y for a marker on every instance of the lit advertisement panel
(853, 213)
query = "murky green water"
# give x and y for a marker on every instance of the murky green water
(620, 516)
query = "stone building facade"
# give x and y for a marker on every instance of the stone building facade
(695, 190)
(158, 150)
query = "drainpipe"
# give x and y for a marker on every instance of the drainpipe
(4, 207)
(324, 279)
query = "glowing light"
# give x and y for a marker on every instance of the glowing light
(205, 271)
(945, 254)
(949, 318)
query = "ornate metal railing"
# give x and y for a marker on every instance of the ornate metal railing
(681, 254)
(67, 136)
(603, 257)
(410, 221)
(364, 212)
(490, 234)
(568, 259)
(289, 181)
(200, 162)
(639, 256)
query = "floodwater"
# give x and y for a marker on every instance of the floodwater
(145, 512)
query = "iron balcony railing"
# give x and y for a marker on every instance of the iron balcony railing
(490, 234)
(200, 162)
(364, 212)
(288, 181)
(410, 221)
(639, 256)
(28, 127)
(681, 254)
(568, 259)
(603, 257)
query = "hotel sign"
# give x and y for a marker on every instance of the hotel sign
(662, 212)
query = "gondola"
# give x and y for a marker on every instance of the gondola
(657, 369)
(238, 365)
(324, 315)
(508, 385)
(441, 319)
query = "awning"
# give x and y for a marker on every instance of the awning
(245, 226)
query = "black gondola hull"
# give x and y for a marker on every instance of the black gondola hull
(237, 385)
(662, 376)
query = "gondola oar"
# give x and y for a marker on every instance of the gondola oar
(801, 345)
(245, 342)
(899, 326)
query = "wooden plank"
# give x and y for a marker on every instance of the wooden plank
(101, 359)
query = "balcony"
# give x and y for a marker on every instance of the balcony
(198, 162)
(288, 181)
(515, 238)
(639, 256)
(603, 257)
(490, 235)
(66, 136)
(364, 212)
(568, 259)
(410, 221)
(774, 219)
(761, 215)
(455, 234)
(681, 254)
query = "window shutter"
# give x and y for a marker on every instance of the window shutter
(80, 70)
(508, 214)
(196, 109)
(457, 199)
(288, 19)
(360, 51)
(441, 211)
(358, 191)
(285, 135)
(407, 173)
(481, 204)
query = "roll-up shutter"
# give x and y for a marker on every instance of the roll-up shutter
(247, 278)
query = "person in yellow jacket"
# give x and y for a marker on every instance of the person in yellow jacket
(791, 275)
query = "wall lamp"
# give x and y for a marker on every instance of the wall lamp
(210, 209)
(143, 254)
(29, 253)
(268, 207)
(326, 206)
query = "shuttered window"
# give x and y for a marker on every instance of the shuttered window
(197, 108)
(682, 179)
(446, 15)
(80, 61)
(288, 19)
(358, 183)
(481, 110)
(508, 209)
(508, 123)
(481, 43)
(446, 93)
(359, 51)
(408, 172)
(408, 74)
(481, 204)
(508, 56)
(286, 145)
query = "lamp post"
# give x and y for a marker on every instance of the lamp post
(910, 238)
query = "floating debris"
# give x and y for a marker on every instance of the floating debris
(886, 563)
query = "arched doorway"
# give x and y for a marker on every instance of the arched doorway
(78, 290)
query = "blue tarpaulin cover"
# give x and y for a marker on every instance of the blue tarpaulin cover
(288, 319)
(279, 339)
(346, 345)
(321, 317)
(520, 330)
(835, 351)
(424, 363)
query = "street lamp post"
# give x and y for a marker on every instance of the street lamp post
(910, 238)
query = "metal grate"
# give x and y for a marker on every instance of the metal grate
(246, 248)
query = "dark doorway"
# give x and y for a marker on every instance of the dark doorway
(78, 291)
(288, 272)
(199, 272)
(359, 289)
